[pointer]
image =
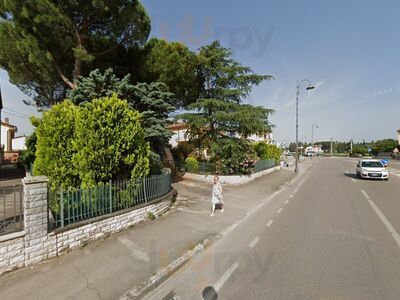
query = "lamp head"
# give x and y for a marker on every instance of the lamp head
(310, 87)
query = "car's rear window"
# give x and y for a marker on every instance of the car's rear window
(371, 164)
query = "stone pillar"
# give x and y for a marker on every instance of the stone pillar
(35, 219)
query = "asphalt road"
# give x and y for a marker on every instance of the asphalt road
(328, 235)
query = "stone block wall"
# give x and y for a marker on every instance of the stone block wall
(67, 239)
(12, 252)
(36, 244)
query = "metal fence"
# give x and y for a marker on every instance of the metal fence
(69, 207)
(261, 165)
(11, 209)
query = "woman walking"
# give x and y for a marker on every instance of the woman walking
(216, 197)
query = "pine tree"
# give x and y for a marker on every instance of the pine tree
(220, 111)
(151, 100)
(45, 45)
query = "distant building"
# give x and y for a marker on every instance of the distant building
(19, 143)
(313, 150)
(179, 130)
(267, 138)
(7, 134)
(11, 144)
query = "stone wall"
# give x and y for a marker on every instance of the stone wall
(35, 244)
(12, 252)
(69, 238)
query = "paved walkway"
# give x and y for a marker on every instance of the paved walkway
(106, 269)
(11, 175)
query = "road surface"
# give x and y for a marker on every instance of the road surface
(328, 235)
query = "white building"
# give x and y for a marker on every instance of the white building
(11, 145)
(7, 134)
(179, 130)
(314, 150)
(267, 138)
(19, 143)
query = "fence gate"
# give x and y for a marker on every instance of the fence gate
(11, 210)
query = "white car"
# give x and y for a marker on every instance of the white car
(371, 168)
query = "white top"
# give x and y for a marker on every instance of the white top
(217, 193)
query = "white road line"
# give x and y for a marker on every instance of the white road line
(270, 223)
(385, 221)
(286, 202)
(353, 180)
(365, 194)
(291, 196)
(279, 210)
(250, 212)
(254, 242)
(229, 229)
(228, 273)
(301, 183)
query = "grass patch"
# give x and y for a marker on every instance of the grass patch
(151, 216)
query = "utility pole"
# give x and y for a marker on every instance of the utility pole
(314, 125)
(309, 87)
(331, 145)
(351, 146)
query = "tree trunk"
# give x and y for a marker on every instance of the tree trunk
(76, 73)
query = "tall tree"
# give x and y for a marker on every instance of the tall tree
(109, 142)
(382, 146)
(219, 111)
(152, 100)
(45, 45)
(175, 65)
(55, 145)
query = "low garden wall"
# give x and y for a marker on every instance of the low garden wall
(231, 179)
(35, 244)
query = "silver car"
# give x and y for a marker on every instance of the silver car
(371, 168)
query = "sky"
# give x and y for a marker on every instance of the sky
(348, 49)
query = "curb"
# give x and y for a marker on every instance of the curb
(155, 280)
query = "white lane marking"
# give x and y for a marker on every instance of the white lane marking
(270, 223)
(286, 202)
(301, 183)
(353, 180)
(271, 197)
(385, 221)
(254, 242)
(279, 210)
(250, 212)
(291, 196)
(228, 273)
(365, 194)
(229, 229)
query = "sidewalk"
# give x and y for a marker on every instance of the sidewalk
(106, 269)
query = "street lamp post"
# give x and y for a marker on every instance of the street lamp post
(314, 125)
(309, 87)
